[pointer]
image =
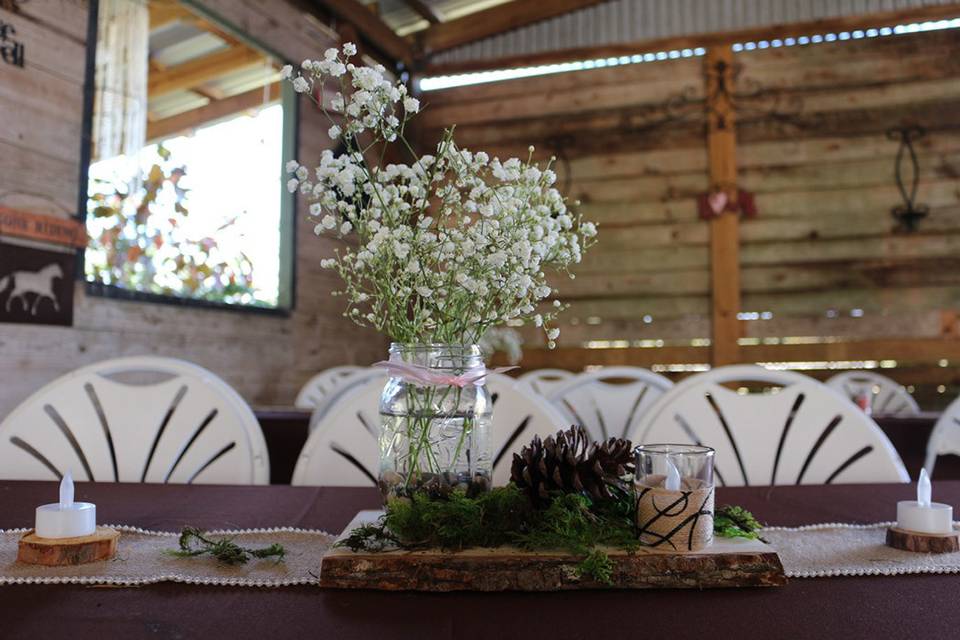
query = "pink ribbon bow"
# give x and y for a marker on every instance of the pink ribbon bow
(425, 376)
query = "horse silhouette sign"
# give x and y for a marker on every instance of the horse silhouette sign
(36, 286)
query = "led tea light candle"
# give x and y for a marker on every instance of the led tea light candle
(675, 496)
(923, 525)
(66, 519)
(66, 533)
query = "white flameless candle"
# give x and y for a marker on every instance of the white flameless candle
(924, 516)
(66, 519)
(672, 481)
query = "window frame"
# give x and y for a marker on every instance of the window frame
(286, 299)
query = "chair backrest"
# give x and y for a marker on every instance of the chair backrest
(945, 437)
(543, 381)
(342, 450)
(318, 388)
(886, 396)
(141, 419)
(800, 433)
(609, 402)
(344, 386)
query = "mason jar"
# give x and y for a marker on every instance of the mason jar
(435, 428)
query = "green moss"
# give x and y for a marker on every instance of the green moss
(505, 516)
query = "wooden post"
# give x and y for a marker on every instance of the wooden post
(724, 229)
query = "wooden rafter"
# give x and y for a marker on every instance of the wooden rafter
(425, 11)
(489, 22)
(375, 31)
(845, 23)
(214, 111)
(196, 72)
(164, 13)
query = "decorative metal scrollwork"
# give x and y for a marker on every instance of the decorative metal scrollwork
(752, 102)
(909, 214)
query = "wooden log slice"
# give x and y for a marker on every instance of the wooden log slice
(923, 542)
(60, 552)
(726, 563)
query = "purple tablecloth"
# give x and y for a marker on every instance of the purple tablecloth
(913, 606)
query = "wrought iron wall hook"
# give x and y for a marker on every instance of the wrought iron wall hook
(909, 214)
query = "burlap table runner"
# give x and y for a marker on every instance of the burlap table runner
(813, 551)
(141, 560)
(834, 549)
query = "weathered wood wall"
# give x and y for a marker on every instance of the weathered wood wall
(812, 147)
(633, 176)
(266, 358)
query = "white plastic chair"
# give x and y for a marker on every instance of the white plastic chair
(945, 437)
(140, 419)
(886, 396)
(315, 391)
(804, 433)
(342, 450)
(344, 386)
(609, 402)
(543, 381)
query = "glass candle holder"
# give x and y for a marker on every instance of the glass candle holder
(675, 496)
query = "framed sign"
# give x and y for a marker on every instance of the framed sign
(36, 286)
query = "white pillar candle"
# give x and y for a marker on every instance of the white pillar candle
(924, 516)
(66, 519)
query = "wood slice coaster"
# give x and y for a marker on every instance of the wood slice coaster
(58, 552)
(923, 542)
(727, 563)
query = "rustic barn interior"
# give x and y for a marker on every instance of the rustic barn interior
(189, 222)
(822, 277)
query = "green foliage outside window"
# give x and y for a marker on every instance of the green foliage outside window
(138, 240)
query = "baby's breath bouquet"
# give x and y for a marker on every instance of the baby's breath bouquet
(445, 247)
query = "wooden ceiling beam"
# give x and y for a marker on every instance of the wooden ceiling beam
(425, 11)
(215, 110)
(196, 72)
(490, 22)
(164, 13)
(706, 40)
(375, 31)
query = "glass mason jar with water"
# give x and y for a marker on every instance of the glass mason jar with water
(435, 429)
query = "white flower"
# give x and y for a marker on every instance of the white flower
(464, 240)
(286, 72)
(328, 263)
(300, 85)
(292, 165)
(292, 185)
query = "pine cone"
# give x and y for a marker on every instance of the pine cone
(570, 463)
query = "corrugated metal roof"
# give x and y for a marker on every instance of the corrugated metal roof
(625, 21)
